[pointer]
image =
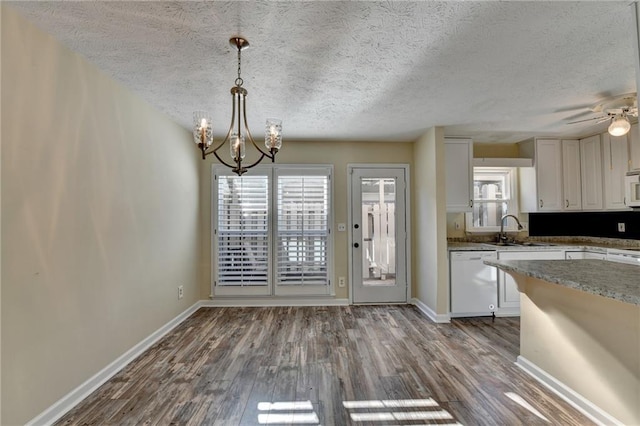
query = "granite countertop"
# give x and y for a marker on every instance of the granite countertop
(536, 247)
(596, 277)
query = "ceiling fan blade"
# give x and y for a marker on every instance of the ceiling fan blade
(579, 115)
(602, 118)
(585, 107)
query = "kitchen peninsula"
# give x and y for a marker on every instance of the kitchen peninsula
(580, 332)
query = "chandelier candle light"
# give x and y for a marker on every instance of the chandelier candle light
(203, 130)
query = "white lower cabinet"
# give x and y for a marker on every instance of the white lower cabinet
(508, 294)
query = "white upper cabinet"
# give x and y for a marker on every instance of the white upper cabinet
(634, 147)
(572, 187)
(541, 185)
(591, 168)
(615, 154)
(459, 174)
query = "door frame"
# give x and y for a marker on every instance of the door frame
(407, 218)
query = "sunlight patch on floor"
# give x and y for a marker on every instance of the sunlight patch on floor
(520, 401)
(401, 413)
(287, 412)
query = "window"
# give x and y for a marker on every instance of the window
(243, 231)
(272, 231)
(493, 196)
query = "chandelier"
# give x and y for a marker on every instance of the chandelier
(236, 136)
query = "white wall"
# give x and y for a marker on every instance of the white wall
(100, 220)
(431, 282)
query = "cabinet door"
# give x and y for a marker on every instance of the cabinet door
(634, 147)
(572, 187)
(591, 167)
(508, 294)
(459, 174)
(549, 174)
(615, 156)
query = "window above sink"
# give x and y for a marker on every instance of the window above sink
(494, 195)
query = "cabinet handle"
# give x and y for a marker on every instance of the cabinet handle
(567, 201)
(541, 203)
(471, 203)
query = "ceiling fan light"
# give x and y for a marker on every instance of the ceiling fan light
(619, 126)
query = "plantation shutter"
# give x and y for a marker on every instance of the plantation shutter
(302, 230)
(242, 234)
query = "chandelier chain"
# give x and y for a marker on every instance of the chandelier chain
(239, 80)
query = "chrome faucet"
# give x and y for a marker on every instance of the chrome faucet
(502, 236)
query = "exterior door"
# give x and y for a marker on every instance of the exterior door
(378, 235)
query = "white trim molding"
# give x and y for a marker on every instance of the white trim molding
(430, 313)
(73, 398)
(579, 402)
(261, 302)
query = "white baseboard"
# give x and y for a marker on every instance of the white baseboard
(70, 400)
(429, 313)
(576, 400)
(256, 302)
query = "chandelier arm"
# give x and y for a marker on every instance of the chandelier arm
(220, 145)
(221, 160)
(226, 138)
(246, 126)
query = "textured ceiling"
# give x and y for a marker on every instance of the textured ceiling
(496, 71)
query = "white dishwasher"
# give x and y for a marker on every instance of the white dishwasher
(474, 285)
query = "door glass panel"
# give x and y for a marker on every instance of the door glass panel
(378, 231)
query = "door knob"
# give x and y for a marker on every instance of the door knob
(356, 245)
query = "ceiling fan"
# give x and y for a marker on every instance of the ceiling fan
(617, 110)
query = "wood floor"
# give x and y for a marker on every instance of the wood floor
(361, 365)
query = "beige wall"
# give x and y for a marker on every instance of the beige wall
(99, 220)
(589, 343)
(340, 154)
(431, 277)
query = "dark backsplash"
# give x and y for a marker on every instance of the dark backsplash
(588, 224)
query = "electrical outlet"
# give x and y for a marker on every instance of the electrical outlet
(180, 292)
(342, 282)
(457, 224)
(621, 227)
(342, 227)
(525, 226)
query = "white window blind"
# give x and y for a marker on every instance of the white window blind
(302, 231)
(242, 243)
